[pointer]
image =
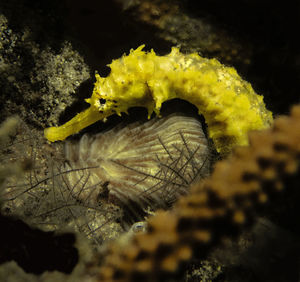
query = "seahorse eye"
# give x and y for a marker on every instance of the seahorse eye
(102, 101)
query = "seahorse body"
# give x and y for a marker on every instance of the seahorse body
(228, 103)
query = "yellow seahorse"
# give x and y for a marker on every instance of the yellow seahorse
(142, 79)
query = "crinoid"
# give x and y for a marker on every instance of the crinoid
(140, 165)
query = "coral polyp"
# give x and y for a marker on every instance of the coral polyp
(229, 104)
(140, 165)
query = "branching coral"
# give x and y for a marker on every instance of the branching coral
(219, 206)
(142, 79)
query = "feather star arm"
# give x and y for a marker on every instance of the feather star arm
(142, 79)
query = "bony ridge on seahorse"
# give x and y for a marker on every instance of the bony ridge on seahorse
(142, 79)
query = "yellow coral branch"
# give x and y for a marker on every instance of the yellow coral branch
(142, 79)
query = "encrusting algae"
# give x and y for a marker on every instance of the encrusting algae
(142, 79)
